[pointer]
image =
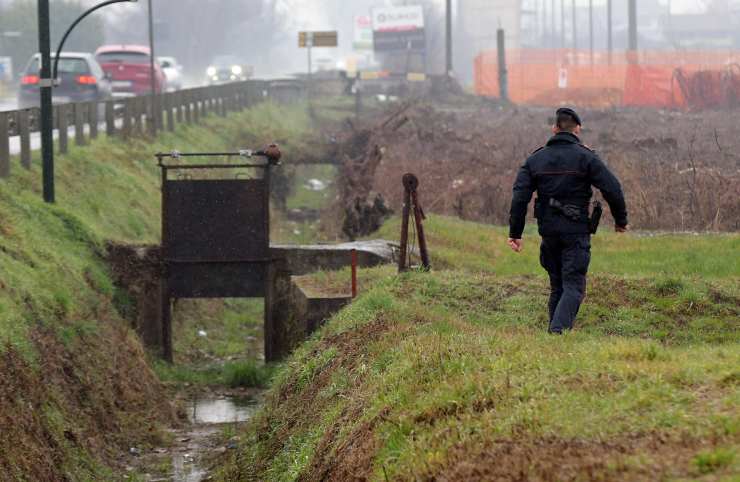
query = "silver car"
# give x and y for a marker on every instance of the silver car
(172, 71)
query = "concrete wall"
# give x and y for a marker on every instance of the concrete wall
(291, 313)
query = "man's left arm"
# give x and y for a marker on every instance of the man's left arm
(523, 190)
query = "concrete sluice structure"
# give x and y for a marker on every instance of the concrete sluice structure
(293, 310)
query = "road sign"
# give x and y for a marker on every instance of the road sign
(363, 33)
(318, 39)
(6, 69)
(398, 28)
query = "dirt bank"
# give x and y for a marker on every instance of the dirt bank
(71, 411)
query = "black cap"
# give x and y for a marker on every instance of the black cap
(570, 112)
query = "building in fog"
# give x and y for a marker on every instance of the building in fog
(477, 22)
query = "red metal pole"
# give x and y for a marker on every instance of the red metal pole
(354, 273)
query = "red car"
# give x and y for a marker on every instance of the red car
(130, 69)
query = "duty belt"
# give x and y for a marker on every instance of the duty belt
(570, 211)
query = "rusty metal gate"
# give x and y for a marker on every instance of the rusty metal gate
(215, 229)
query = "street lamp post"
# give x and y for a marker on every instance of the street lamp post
(48, 80)
(153, 105)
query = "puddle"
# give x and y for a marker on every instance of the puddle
(192, 446)
(185, 469)
(221, 410)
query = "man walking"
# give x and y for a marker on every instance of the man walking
(562, 172)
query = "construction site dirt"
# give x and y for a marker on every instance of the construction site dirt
(680, 171)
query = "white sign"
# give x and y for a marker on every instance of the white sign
(363, 34)
(398, 19)
(6, 69)
(563, 78)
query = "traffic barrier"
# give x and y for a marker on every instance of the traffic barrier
(679, 80)
(125, 117)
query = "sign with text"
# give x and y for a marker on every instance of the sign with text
(398, 28)
(6, 69)
(363, 33)
(318, 39)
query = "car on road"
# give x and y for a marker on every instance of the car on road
(130, 69)
(227, 68)
(81, 79)
(173, 72)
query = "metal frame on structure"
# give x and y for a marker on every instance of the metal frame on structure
(215, 233)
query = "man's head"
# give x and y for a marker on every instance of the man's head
(567, 120)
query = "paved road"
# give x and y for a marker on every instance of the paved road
(7, 104)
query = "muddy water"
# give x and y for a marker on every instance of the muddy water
(221, 410)
(184, 460)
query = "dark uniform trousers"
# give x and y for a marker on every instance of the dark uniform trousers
(566, 258)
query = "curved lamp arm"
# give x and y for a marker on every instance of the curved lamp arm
(72, 27)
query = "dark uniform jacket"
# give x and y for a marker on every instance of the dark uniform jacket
(564, 170)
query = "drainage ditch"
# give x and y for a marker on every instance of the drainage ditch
(214, 423)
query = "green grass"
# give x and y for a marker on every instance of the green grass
(303, 196)
(451, 374)
(234, 374)
(456, 244)
(54, 281)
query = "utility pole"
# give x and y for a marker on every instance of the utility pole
(633, 25)
(609, 42)
(575, 31)
(47, 114)
(562, 24)
(552, 21)
(449, 38)
(309, 46)
(503, 75)
(591, 29)
(154, 119)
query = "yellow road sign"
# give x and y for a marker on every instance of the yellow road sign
(369, 75)
(318, 39)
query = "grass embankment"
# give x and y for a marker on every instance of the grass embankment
(450, 375)
(76, 387)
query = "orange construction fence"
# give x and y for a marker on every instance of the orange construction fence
(679, 80)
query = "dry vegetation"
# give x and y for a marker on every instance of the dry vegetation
(680, 171)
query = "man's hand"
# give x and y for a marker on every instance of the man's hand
(516, 245)
(621, 229)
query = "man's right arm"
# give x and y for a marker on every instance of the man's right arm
(522, 194)
(606, 182)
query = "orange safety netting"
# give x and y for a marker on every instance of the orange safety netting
(683, 80)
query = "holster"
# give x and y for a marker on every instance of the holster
(595, 219)
(570, 211)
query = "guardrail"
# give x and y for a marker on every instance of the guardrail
(129, 117)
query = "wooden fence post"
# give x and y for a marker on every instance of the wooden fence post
(110, 118)
(202, 97)
(4, 145)
(92, 118)
(79, 118)
(127, 115)
(62, 127)
(196, 107)
(169, 99)
(178, 108)
(136, 108)
(187, 98)
(24, 131)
